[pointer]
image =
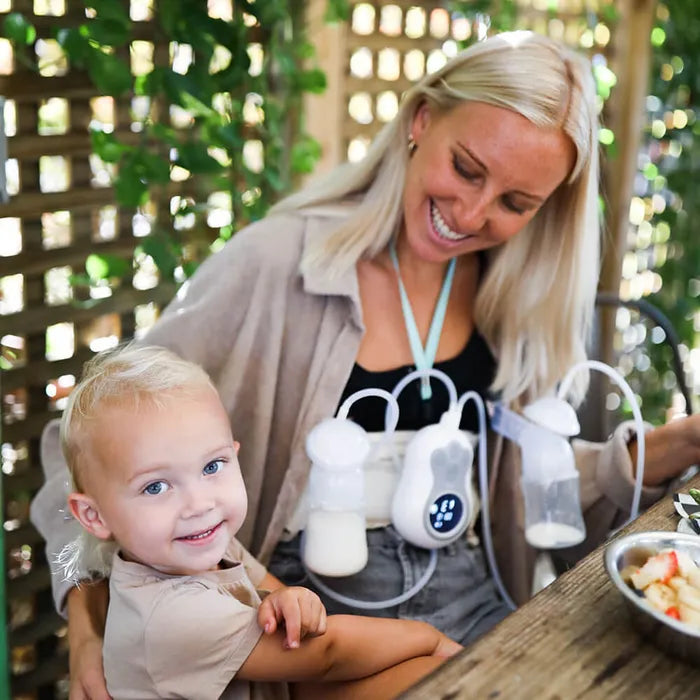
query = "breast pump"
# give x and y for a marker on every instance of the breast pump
(432, 503)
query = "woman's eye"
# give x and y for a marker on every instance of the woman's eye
(462, 170)
(214, 466)
(156, 488)
(512, 206)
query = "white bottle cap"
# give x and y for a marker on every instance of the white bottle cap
(337, 442)
(555, 414)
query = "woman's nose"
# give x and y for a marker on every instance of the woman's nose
(471, 213)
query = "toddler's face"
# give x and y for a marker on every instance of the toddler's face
(169, 486)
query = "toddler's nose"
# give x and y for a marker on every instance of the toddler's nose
(197, 501)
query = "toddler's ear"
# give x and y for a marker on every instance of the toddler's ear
(236, 446)
(85, 511)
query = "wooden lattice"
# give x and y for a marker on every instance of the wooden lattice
(61, 210)
(390, 45)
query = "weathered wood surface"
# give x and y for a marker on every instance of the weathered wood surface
(573, 640)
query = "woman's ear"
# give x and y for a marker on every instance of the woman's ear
(421, 121)
(86, 512)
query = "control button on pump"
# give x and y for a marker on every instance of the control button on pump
(445, 512)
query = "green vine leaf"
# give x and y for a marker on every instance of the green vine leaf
(75, 43)
(113, 10)
(17, 28)
(161, 249)
(313, 80)
(108, 32)
(110, 74)
(194, 157)
(103, 267)
(305, 154)
(337, 11)
(107, 147)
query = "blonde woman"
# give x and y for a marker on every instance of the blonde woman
(481, 193)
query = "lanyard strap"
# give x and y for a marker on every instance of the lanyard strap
(424, 357)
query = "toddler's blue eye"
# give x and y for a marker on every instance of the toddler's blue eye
(157, 487)
(214, 466)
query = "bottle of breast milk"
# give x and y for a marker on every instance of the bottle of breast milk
(335, 541)
(550, 483)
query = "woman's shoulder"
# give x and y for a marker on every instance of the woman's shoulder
(280, 236)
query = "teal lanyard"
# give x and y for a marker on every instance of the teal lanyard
(424, 357)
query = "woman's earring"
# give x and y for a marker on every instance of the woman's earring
(412, 145)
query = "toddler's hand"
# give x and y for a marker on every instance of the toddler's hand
(300, 609)
(446, 647)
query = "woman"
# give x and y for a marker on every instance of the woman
(490, 163)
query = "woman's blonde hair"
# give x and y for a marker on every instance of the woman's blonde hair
(535, 303)
(130, 373)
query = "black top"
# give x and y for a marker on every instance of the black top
(472, 370)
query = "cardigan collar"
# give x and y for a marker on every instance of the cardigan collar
(317, 281)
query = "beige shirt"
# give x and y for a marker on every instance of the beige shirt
(183, 636)
(280, 347)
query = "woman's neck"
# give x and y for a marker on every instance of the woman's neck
(416, 270)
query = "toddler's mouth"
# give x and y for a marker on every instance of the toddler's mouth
(201, 535)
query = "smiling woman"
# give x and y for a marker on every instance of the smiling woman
(482, 172)
(472, 224)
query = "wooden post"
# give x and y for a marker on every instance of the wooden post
(631, 63)
(626, 114)
(323, 114)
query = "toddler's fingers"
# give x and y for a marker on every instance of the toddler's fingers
(267, 618)
(320, 626)
(292, 624)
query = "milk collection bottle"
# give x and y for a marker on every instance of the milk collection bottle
(335, 542)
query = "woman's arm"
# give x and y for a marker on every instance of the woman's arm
(87, 612)
(353, 647)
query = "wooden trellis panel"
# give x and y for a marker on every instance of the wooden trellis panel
(60, 210)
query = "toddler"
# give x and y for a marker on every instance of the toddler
(156, 473)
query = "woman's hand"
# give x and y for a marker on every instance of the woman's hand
(300, 609)
(670, 449)
(87, 680)
(87, 612)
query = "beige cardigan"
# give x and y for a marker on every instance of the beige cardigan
(280, 347)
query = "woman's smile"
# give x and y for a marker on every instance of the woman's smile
(441, 228)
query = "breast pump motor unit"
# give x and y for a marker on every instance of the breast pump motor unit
(432, 503)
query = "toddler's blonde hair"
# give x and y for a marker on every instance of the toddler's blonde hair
(130, 373)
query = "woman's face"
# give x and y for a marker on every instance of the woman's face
(479, 174)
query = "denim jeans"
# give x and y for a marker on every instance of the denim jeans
(460, 599)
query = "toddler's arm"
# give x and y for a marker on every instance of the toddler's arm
(352, 647)
(300, 609)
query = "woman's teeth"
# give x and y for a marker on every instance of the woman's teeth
(443, 230)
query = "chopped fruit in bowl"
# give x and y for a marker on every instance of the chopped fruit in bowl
(669, 581)
(658, 576)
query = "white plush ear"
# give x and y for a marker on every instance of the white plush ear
(86, 512)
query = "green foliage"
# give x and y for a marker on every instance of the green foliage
(231, 100)
(16, 28)
(670, 175)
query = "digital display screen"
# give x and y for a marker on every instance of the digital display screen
(446, 512)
